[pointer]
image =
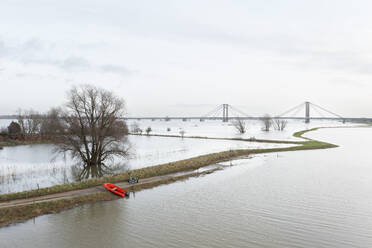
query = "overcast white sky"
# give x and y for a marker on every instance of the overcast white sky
(172, 57)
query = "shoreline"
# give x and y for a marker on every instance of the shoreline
(10, 143)
(21, 206)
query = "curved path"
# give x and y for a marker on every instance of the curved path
(143, 183)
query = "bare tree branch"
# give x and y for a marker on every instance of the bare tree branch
(239, 125)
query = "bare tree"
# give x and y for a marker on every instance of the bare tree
(51, 122)
(134, 128)
(239, 125)
(280, 125)
(182, 133)
(148, 130)
(90, 128)
(29, 121)
(266, 122)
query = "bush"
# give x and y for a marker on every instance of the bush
(148, 130)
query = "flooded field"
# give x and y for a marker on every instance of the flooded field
(319, 198)
(211, 128)
(33, 166)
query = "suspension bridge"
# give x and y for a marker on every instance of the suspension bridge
(225, 112)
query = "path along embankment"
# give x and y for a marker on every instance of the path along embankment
(21, 206)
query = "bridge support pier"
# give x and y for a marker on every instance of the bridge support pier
(225, 112)
(307, 112)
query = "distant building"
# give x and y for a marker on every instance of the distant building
(14, 130)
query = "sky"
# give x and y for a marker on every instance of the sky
(177, 58)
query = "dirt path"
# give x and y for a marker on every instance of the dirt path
(82, 192)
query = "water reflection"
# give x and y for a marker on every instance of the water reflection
(82, 172)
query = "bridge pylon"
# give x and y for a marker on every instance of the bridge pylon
(307, 112)
(228, 112)
(225, 112)
(309, 106)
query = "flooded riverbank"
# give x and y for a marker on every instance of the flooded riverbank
(37, 166)
(317, 198)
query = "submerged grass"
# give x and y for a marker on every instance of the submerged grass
(172, 167)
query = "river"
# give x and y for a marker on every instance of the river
(318, 198)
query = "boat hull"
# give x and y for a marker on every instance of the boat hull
(115, 189)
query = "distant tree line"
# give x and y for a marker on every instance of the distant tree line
(267, 122)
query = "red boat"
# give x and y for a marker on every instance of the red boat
(116, 189)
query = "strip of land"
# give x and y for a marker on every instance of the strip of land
(21, 206)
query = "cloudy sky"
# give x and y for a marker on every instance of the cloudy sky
(173, 57)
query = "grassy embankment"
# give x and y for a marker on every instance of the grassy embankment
(25, 212)
(36, 209)
(216, 138)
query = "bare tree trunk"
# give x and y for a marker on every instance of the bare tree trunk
(239, 125)
(280, 125)
(266, 122)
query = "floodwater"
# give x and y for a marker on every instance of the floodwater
(36, 166)
(319, 198)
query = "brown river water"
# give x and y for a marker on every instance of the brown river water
(319, 198)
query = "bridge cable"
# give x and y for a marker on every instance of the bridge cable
(290, 110)
(330, 112)
(239, 111)
(296, 112)
(213, 111)
(233, 113)
(317, 110)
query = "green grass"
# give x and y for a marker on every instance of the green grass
(172, 167)
(301, 133)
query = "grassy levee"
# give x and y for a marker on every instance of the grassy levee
(169, 168)
(25, 212)
(301, 133)
(216, 138)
